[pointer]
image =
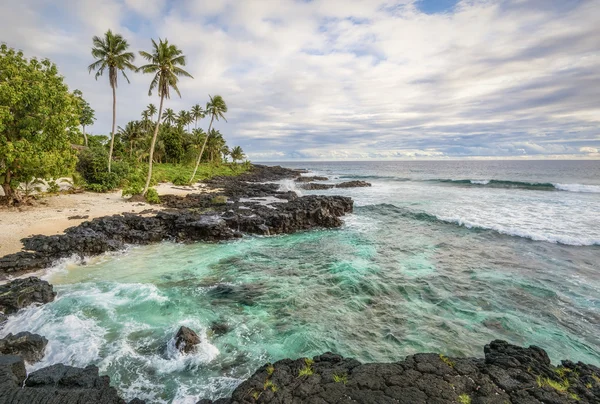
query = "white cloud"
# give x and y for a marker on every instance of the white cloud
(351, 79)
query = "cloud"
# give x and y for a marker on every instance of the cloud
(326, 79)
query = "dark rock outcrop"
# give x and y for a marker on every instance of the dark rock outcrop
(57, 384)
(508, 374)
(353, 184)
(29, 346)
(222, 222)
(23, 292)
(311, 178)
(314, 186)
(186, 340)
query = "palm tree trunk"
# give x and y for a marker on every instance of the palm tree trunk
(84, 136)
(162, 98)
(202, 150)
(112, 134)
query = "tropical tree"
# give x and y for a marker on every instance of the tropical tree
(164, 63)
(132, 133)
(38, 122)
(151, 108)
(86, 113)
(169, 118)
(237, 154)
(197, 113)
(184, 118)
(111, 54)
(216, 108)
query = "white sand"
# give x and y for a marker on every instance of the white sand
(50, 215)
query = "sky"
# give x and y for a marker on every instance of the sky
(349, 79)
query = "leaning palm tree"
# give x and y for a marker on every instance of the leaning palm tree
(216, 108)
(163, 63)
(111, 54)
(197, 113)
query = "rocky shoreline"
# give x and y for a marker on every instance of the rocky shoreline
(249, 204)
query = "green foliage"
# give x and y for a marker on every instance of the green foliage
(307, 370)
(237, 154)
(53, 187)
(38, 121)
(255, 395)
(269, 385)
(152, 196)
(219, 200)
(343, 378)
(561, 386)
(93, 167)
(562, 371)
(447, 360)
(574, 396)
(464, 399)
(270, 369)
(180, 180)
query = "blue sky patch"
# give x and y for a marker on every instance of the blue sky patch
(436, 6)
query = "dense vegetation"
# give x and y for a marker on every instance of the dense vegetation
(40, 121)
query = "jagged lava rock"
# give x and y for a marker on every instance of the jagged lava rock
(353, 184)
(29, 346)
(22, 292)
(186, 340)
(508, 374)
(313, 186)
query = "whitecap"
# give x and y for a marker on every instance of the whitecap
(595, 189)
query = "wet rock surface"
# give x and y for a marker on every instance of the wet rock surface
(29, 346)
(508, 374)
(21, 293)
(314, 186)
(353, 184)
(57, 384)
(311, 178)
(242, 204)
(186, 340)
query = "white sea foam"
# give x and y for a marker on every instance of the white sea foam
(480, 182)
(289, 185)
(595, 189)
(512, 231)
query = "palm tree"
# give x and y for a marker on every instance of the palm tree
(151, 108)
(216, 108)
(110, 54)
(184, 118)
(164, 62)
(197, 113)
(237, 154)
(132, 133)
(169, 118)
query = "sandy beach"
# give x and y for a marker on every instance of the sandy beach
(50, 215)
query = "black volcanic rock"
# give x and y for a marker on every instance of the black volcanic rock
(353, 184)
(29, 346)
(313, 186)
(310, 178)
(57, 384)
(186, 340)
(508, 374)
(23, 292)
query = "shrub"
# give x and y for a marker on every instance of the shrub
(93, 167)
(152, 196)
(181, 180)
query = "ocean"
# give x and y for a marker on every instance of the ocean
(438, 256)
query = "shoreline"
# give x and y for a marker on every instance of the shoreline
(50, 215)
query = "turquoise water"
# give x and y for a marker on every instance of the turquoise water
(401, 276)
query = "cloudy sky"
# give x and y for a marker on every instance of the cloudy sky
(350, 79)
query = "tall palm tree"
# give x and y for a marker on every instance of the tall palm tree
(197, 113)
(163, 63)
(184, 118)
(111, 54)
(151, 108)
(169, 118)
(216, 108)
(132, 133)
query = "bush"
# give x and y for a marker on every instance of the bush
(181, 180)
(152, 196)
(93, 167)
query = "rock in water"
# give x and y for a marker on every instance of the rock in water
(23, 292)
(186, 340)
(12, 372)
(29, 346)
(353, 184)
